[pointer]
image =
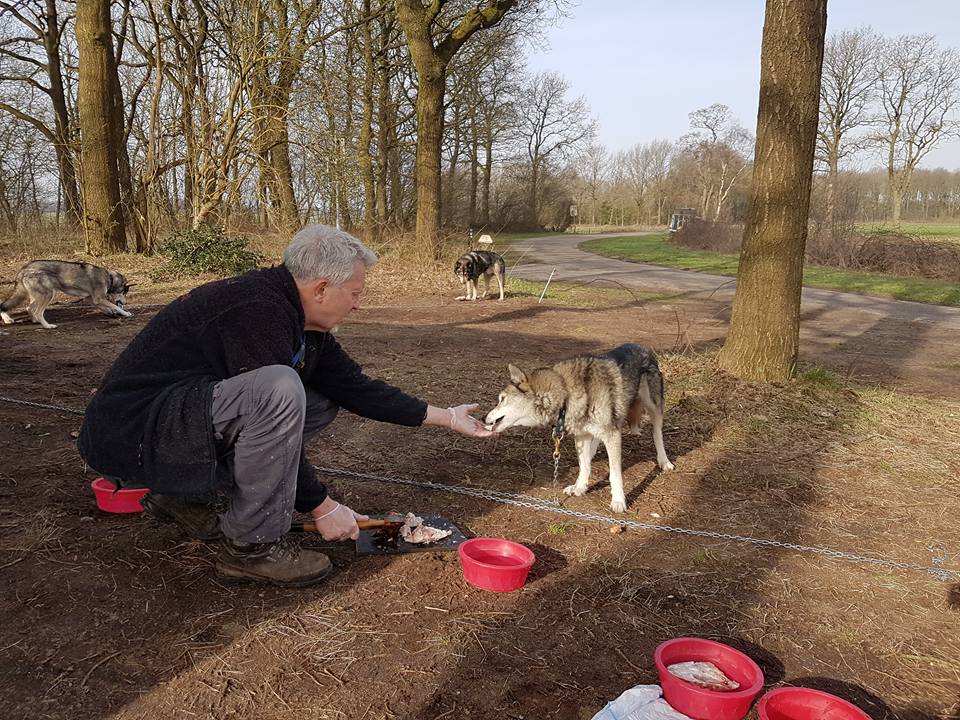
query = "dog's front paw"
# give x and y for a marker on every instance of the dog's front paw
(49, 326)
(667, 466)
(619, 506)
(575, 490)
(463, 297)
(124, 313)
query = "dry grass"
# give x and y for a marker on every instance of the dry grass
(297, 653)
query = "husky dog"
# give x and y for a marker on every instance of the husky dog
(38, 281)
(475, 263)
(594, 397)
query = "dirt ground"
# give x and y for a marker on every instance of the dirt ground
(116, 616)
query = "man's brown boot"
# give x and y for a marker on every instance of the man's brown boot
(197, 519)
(282, 562)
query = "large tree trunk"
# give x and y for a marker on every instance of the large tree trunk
(764, 330)
(275, 184)
(429, 138)
(896, 201)
(103, 218)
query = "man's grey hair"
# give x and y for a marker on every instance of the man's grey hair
(322, 251)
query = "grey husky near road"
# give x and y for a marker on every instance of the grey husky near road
(594, 397)
(38, 281)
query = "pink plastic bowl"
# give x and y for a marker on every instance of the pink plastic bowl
(125, 500)
(794, 703)
(700, 703)
(494, 564)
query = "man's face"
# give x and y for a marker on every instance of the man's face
(326, 304)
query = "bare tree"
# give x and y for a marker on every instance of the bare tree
(660, 153)
(496, 118)
(644, 170)
(32, 55)
(594, 161)
(719, 147)
(551, 129)
(847, 88)
(763, 340)
(435, 34)
(102, 214)
(919, 90)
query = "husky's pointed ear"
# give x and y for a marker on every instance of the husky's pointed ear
(517, 375)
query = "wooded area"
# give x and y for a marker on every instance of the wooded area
(393, 115)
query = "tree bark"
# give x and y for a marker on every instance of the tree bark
(103, 218)
(763, 340)
(431, 61)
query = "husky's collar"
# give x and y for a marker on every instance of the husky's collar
(561, 425)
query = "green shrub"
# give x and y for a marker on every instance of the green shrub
(207, 249)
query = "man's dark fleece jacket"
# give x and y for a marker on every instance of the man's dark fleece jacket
(149, 423)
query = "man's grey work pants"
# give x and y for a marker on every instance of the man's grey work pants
(260, 420)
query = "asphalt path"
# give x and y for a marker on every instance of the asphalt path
(560, 254)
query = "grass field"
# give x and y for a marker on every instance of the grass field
(657, 250)
(925, 231)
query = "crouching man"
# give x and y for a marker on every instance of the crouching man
(221, 388)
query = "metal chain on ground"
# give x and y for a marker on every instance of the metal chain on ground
(936, 571)
(532, 502)
(40, 405)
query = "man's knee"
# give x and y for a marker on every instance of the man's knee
(279, 388)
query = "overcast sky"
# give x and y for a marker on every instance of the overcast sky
(642, 65)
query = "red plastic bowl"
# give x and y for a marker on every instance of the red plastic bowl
(794, 703)
(494, 564)
(701, 703)
(124, 500)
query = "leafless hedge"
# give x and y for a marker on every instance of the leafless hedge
(892, 253)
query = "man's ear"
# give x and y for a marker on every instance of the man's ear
(517, 375)
(319, 289)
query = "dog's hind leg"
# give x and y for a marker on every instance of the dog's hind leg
(38, 307)
(19, 296)
(655, 411)
(613, 443)
(586, 447)
(500, 283)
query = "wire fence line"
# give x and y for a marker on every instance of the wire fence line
(936, 569)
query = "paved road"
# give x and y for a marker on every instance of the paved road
(560, 251)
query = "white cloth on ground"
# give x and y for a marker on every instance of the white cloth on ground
(641, 702)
